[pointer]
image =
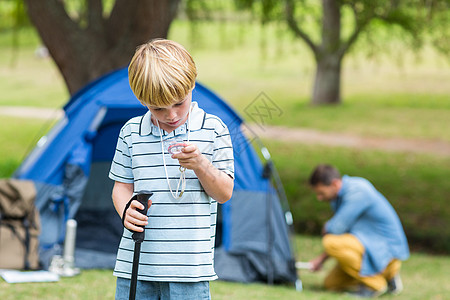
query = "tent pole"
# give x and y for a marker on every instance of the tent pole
(270, 268)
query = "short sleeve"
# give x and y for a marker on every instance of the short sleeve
(121, 167)
(223, 158)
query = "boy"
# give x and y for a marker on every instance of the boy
(177, 254)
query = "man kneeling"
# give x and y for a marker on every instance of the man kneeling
(364, 235)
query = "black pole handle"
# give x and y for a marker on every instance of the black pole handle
(142, 197)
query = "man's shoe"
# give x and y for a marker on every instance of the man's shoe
(395, 285)
(366, 292)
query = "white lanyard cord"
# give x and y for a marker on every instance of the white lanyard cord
(182, 180)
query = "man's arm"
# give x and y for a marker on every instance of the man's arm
(317, 263)
(355, 205)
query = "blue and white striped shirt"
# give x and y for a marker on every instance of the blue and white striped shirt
(179, 237)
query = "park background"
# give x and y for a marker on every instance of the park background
(390, 93)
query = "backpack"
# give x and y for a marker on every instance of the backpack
(19, 225)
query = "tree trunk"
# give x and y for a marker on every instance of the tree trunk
(328, 57)
(84, 50)
(327, 83)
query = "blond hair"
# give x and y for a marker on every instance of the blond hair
(161, 73)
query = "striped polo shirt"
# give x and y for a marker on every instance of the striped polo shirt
(179, 237)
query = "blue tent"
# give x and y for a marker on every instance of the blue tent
(70, 165)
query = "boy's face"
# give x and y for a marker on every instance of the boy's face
(171, 117)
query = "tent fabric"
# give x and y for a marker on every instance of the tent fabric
(70, 166)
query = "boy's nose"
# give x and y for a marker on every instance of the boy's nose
(171, 114)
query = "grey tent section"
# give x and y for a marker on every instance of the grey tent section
(254, 239)
(70, 169)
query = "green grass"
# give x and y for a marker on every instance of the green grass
(25, 79)
(17, 137)
(385, 116)
(424, 277)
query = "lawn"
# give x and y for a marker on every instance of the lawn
(424, 277)
(25, 78)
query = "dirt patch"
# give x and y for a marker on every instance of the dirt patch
(311, 136)
(31, 112)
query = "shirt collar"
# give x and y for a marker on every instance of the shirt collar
(197, 116)
(336, 202)
(343, 186)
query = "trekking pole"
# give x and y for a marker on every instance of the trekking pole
(138, 238)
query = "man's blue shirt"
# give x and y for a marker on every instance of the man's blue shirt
(361, 210)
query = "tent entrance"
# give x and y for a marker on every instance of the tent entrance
(99, 225)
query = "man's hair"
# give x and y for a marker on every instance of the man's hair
(161, 73)
(324, 174)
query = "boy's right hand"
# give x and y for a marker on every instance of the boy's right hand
(133, 219)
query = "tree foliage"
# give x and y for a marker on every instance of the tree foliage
(330, 28)
(87, 38)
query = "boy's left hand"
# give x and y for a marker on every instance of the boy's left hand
(190, 157)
